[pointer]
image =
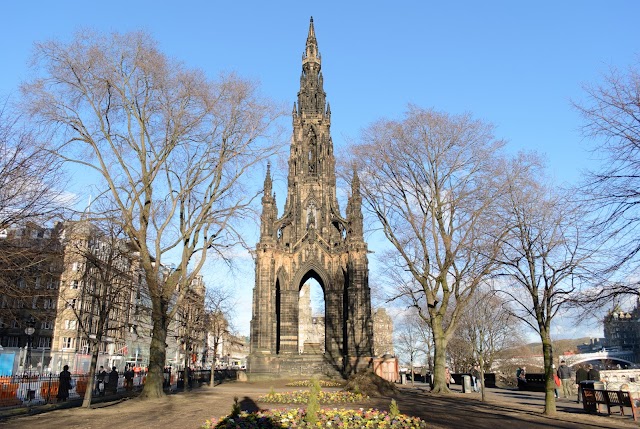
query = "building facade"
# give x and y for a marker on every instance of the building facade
(31, 266)
(622, 331)
(72, 289)
(311, 239)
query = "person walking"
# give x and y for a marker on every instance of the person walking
(564, 374)
(64, 384)
(581, 375)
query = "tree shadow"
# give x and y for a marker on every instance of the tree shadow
(247, 404)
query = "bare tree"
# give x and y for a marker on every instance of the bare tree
(191, 325)
(101, 298)
(170, 147)
(409, 341)
(611, 116)
(486, 328)
(432, 180)
(541, 254)
(31, 179)
(218, 312)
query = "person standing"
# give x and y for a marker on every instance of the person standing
(521, 377)
(113, 380)
(581, 375)
(564, 374)
(447, 376)
(593, 374)
(128, 378)
(64, 384)
(556, 381)
(475, 378)
(102, 374)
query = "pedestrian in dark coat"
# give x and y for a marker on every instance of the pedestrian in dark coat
(593, 374)
(113, 380)
(64, 384)
(581, 375)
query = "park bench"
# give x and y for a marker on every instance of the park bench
(592, 399)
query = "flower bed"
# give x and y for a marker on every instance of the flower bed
(327, 418)
(323, 383)
(302, 397)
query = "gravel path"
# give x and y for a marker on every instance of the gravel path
(503, 409)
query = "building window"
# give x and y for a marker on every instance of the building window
(46, 324)
(34, 303)
(11, 341)
(67, 342)
(74, 284)
(37, 283)
(70, 324)
(44, 342)
(14, 323)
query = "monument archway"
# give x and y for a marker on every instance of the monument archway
(311, 239)
(311, 317)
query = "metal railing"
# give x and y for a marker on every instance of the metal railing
(35, 390)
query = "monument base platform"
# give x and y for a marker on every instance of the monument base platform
(302, 366)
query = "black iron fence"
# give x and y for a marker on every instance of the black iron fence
(34, 390)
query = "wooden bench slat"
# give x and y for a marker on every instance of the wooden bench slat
(592, 399)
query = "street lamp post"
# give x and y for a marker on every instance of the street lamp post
(29, 330)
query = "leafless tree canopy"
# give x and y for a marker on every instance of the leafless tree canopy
(432, 180)
(611, 114)
(31, 179)
(170, 146)
(541, 253)
(487, 328)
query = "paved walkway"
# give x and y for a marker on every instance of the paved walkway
(503, 409)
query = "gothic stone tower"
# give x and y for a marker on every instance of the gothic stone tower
(311, 240)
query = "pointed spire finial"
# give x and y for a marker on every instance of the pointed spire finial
(267, 180)
(311, 52)
(355, 183)
(312, 32)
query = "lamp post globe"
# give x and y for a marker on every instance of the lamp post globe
(29, 330)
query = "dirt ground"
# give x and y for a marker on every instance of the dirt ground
(508, 409)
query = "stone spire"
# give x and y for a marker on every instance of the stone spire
(354, 211)
(311, 98)
(269, 209)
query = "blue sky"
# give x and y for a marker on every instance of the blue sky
(516, 64)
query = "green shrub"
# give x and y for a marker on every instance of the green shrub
(394, 411)
(235, 408)
(313, 406)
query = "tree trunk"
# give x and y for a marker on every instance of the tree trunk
(412, 373)
(550, 384)
(481, 381)
(439, 360)
(88, 395)
(153, 387)
(187, 362)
